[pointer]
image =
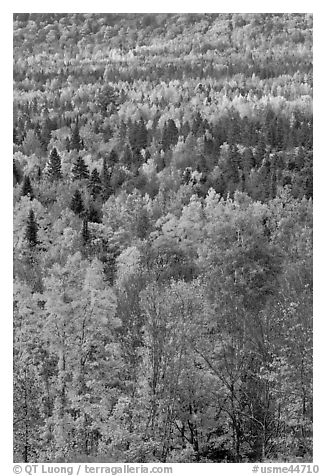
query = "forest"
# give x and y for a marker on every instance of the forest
(163, 199)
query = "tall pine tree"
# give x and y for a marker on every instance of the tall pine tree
(75, 141)
(16, 173)
(31, 230)
(126, 158)
(85, 232)
(106, 182)
(95, 184)
(170, 134)
(27, 188)
(45, 134)
(80, 170)
(77, 204)
(93, 214)
(54, 166)
(113, 158)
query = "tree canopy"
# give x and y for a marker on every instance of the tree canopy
(163, 199)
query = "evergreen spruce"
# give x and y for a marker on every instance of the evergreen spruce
(77, 204)
(45, 134)
(122, 131)
(196, 125)
(186, 176)
(170, 134)
(233, 129)
(27, 188)
(54, 166)
(96, 128)
(85, 232)
(247, 160)
(141, 134)
(95, 184)
(106, 182)
(142, 224)
(75, 141)
(235, 157)
(126, 158)
(15, 136)
(273, 185)
(37, 131)
(68, 144)
(147, 155)
(271, 132)
(137, 160)
(185, 130)
(16, 173)
(137, 134)
(300, 158)
(31, 230)
(106, 98)
(93, 214)
(80, 170)
(113, 158)
(260, 151)
(231, 171)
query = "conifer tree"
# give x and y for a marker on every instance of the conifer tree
(186, 176)
(122, 131)
(142, 224)
(273, 185)
(68, 144)
(45, 134)
(260, 151)
(170, 134)
(126, 158)
(31, 230)
(137, 160)
(77, 204)
(106, 181)
(75, 141)
(235, 156)
(247, 160)
(106, 98)
(27, 188)
(137, 134)
(80, 170)
(93, 214)
(147, 155)
(15, 136)
(54, 166)
(141, 134)
(113, 158)
(233, 129)
(85, 232)
(37, 131)
(95, 184)
(16, 173)
(196, 125)
(185, 130)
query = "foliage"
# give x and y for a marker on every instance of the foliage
(162, 237)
